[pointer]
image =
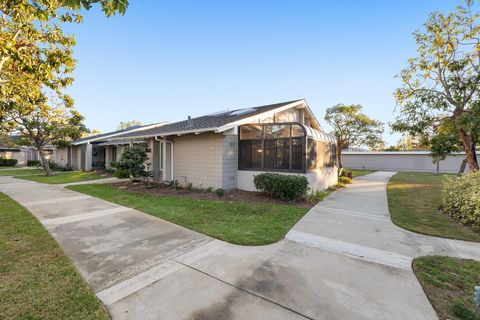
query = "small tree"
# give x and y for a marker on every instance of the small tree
(133, 160)
(45, 124)
(353, 128)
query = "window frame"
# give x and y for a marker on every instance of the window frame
(290, 147)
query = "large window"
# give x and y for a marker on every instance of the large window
(272, 147)
(320, 154)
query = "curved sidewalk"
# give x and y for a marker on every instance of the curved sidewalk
(343, 260)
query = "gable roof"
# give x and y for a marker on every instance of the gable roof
(100, 137)
(209, 122)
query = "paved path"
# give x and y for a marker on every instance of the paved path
(343, 260)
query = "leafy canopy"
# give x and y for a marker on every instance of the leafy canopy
(353, 128)
(440, 95)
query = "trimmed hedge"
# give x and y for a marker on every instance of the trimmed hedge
(34, 163)
(8, 162)
(461, 199)
(282, 186)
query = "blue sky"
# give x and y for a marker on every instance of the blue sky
(164, 60)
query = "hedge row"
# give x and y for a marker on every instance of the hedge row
(8, 162)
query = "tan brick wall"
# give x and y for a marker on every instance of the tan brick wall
(198, 159)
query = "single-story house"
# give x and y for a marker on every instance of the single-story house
(227, 149)
(98, 151)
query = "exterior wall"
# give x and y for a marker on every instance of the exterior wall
(229, 161)
(318, 180)
(322, 179)
(61, 155)
(401, 161)
(198, 159)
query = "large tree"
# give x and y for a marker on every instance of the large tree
(353, 128)
(440, 85)
(36, 60)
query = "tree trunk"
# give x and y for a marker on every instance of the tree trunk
(45, 164)
(339, 157)
(470, 151)
(462, 167)
(437, 167)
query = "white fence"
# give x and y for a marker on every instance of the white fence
(401, 161)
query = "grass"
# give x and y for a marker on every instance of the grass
(359, 173)
(449, 284)
(20, 172)
(414, 200)
(37, 280)
(63, 177)
(232, 221)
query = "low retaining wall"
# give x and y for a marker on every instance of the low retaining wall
(401, 161)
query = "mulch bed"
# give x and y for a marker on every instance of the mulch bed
(161, 189)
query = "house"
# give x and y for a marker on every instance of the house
(228, 148)
(98, 151)
(16, 148)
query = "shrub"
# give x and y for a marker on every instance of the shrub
(34, 163)
(461, 199)
(346, 173)
(133, 161)
(344, 180)
(281, 186)
(189, 186)
(317, 196)
(209, 189)
(175, 185)
(121, 174)
(340, 185)
(220, 192)
(54, 166)
(8, 162)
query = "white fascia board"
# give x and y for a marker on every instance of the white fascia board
(120, 133)
(263, 114)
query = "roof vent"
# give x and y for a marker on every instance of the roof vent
(189, 122)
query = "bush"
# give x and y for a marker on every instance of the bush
(281, 186)
(8, 162)
(317, 196)
(344, 180)
(189, 186)
(220, 192)
(121, 174)
(133, 161)
(346, 173)
(461, 199)
(58, 167)
(34, 163)
(340, 185)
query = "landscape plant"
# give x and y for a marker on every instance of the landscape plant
(281, 186)
(461, 199)
(133, 161)
(8, 162)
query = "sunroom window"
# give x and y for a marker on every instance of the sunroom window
(276, 147)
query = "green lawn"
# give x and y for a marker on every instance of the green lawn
(232, 221)
(414, 200)
(359, 173)
(19, 172)
(449, 284)
(63, 177)
(37, 280)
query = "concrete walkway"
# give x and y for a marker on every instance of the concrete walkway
(343, 260)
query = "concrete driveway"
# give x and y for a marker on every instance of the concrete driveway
(343, 260)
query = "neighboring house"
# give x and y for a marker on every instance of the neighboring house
(98, 151)
(227, 149)
(23, 153)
